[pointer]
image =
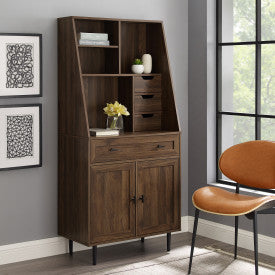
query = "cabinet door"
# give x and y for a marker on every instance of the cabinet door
(112, 209)
(158, 196)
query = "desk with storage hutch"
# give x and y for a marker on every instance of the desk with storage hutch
(125, 187)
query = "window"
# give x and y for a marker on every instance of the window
(245, 73)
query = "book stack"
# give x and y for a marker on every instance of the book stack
(97, 39)
(97, 132)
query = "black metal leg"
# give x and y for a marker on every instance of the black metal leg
(142, 240)
(255, 241)
(168, 241)
(197, 212)
(71, 247)
(94, 254)
(236, 236)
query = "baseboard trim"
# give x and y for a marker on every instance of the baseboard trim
(185, 224)
(58, 245)
(225, 234)
(31, 250)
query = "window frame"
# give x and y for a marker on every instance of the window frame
(219, 113)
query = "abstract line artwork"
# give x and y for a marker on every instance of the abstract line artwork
(19, 136)
(20, 66)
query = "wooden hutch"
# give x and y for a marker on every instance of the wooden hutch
(116, 188)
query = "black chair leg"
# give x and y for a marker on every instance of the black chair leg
(236, 236)
(168, 241)
(94, 254)
(255, 241)
(197, 212)
(142, 239)
(71, 247)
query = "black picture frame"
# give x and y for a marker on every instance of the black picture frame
(40, 94)
(14, 106)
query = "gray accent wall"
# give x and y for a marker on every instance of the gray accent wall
(197, 97)
(28, 198)
(202, 111)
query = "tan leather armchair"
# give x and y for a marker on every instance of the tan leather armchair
(249, 164)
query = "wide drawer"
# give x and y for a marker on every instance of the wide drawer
(147, 102)
(147, 84)
(131, 148)
(147, 122)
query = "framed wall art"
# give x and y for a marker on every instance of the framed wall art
(20, 136)
(20, 65)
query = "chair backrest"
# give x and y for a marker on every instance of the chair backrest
(250, 163)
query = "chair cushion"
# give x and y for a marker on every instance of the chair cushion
(219, 201)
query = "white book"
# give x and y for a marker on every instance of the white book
(94, 42)
(97, 132)
(93, 36)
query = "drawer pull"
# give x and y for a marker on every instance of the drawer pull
(113, 149)
(147, 96)
(160, 146)
(147, 77)
(147, 115)
(141, 198)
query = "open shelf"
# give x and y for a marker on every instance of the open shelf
(98, 46)
(102, 90)
(138, 38)
(99, 60)
(91, 75)
(99, 26)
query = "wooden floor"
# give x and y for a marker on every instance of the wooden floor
(149, 257)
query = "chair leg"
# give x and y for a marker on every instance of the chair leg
(236, 236)
(168, 241)
(142, 239)
(255, 241)
(197, 212)
(71, 247)
(94, 254)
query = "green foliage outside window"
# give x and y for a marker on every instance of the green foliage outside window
(244, 69)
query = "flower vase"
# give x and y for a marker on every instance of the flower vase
(147, 63)
(115, 123)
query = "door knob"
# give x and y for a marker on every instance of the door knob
(133, 199)
(141, 198)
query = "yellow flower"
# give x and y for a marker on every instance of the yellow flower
(115, 109)
(109, 109)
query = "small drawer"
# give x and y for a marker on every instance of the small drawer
(147, 122)
(132, 148)
(147, 84)
(147, 102)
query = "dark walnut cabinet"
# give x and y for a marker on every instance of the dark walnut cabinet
(112, 207)
(125, 187)
(158, 196)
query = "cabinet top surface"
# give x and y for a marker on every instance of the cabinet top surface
(138, 134)
(111, 19)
